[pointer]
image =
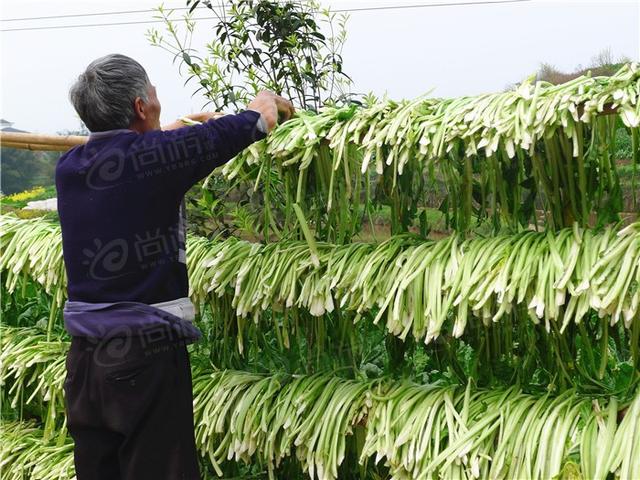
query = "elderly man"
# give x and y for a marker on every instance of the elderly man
(121, 206)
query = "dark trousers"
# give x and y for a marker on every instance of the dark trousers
(130, 409)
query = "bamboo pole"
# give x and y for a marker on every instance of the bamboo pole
(35, 146)
(32, 141)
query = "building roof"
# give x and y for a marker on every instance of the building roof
(11, 129)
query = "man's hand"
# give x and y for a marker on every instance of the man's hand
(272, 107)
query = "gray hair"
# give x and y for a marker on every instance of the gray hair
(104, 94)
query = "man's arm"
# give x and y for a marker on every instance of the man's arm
(270, 106)
(199, 149)
(196, 117)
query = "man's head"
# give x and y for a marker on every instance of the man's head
(114, 92)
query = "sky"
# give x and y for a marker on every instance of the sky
(447, 50)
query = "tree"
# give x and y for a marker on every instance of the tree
(262, 44)
(24, 169)
(602, 64)
(292, 48)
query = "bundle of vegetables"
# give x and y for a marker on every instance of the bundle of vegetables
(494, 152)
(417, 431)
(510, 120)
(33, 369)
(434, 432)
(415, 284)
(310, 415)
(33, 248)
(26, 453)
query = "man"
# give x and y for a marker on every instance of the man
(120, 200)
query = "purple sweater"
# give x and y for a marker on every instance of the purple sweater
(121, 207)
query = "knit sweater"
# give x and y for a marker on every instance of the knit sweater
(121, 208)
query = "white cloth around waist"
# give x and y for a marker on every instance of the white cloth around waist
(180, 307)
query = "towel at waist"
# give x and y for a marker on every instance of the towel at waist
(172, 319)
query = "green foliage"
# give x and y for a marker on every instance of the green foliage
(25, 169)
(292, 48)
(27, 305)
(218, 207)
(624, 149)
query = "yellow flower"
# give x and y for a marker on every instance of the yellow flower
(26, 195)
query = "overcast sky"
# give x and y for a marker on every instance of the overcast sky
(455, 50)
